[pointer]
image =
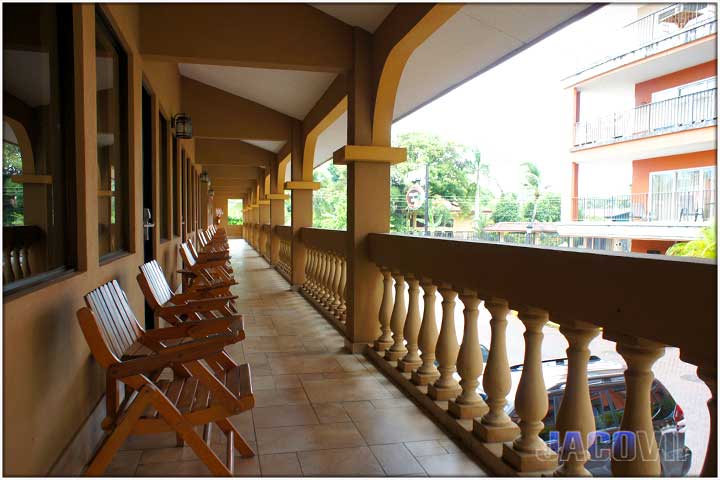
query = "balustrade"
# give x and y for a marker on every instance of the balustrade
(640, 324)
(325, 272)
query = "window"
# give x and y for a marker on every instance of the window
(234, 211)
(174, 182)
(183, 194)
(112, 158)
(687, 194)
(164, 218)
(39, 231)
(687, 89)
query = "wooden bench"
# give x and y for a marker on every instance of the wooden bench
(194, 396)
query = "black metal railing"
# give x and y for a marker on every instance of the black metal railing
(690, 206)
(667, 21)
(688, 111)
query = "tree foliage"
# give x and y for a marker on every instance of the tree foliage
(507, 209)
(704, 247)
(330, 202)
(548, 208)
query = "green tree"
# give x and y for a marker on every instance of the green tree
(533, 184)
(704, 247)
(507, 209)
(453, 175)
(548, 208)
(330, 202)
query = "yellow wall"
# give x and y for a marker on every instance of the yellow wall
(50, 383)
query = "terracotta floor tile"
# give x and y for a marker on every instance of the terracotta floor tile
(124, 464)
(284, 416)
(283, 396)
(355, 462)
(280, 465)
(308, 437)
(193, 468)
(427, 447)
(345, 389)
(450, 465)
(395, 459)
(307, 363)
(331, 412)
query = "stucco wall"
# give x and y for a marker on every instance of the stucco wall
(643, 168)
(644, 90)
(51, 383)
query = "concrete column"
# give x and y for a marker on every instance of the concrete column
(302, 211)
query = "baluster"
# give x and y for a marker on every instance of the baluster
(576, 414)
(325, 280)
(446, 387)
(411, 360)
(469, 363)
(317, 291)
(25, 263)
(397, 320)
(340, 314)
(384, 341)
(427, 372)
(326, 300)
(495, 425)
(643, 460)
(335, 299)
(528, 452)
(308, 269)
(315, 269)
(709, 376)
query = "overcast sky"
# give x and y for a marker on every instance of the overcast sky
(519, 111)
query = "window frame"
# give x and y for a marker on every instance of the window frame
(124, 130)
(68, 90)
(164, 186)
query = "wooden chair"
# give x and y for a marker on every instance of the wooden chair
(211, 273)
(195, 396)
(211, 255)
(193, 304)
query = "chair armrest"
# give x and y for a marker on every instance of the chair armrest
(187, 352)
(200, 295)
(188, 273)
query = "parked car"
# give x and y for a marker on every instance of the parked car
(607, 395)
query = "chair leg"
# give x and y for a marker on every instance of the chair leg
(176, 420)
(125, 425)
(240, 444)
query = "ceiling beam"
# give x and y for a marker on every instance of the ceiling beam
(281, 36)
(231, 152)
(219, 172)
(218, 114)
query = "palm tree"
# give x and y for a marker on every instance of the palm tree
(533, 184)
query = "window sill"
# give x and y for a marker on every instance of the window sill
(20, 288)
(111, 257)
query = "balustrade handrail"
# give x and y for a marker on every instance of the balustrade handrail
(692, 110)
(284, 232)
(629, 295)
(325, 239)
(265, 227)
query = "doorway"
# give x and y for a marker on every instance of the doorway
(148, 184)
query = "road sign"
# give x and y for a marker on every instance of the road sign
(415, 197)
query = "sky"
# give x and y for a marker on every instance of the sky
(519, 110)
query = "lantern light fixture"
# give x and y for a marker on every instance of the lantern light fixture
(204, 177)
(211, 193)
(182, 123)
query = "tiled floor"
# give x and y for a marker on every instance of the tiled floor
(319, 411)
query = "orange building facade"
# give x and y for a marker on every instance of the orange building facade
(644, 134)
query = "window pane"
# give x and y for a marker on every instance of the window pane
(235, 211)
(164, 178)
(38, 155)
(113, 199)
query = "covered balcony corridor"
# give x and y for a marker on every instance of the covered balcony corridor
(319, 411)
(128, 130)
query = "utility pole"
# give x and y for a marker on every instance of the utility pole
(427, 199)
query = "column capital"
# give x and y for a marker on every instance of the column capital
(263, 202)
(369, 153)
(302, 185)
(277, 196)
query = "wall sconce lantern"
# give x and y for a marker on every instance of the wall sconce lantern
(182, 125)
(204, 177)
(211, 193)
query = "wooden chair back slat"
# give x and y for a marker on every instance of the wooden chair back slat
(97, 305)
(154, 281)
(116, 319)
(118, 325)
(134, 328)
(187, 257)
